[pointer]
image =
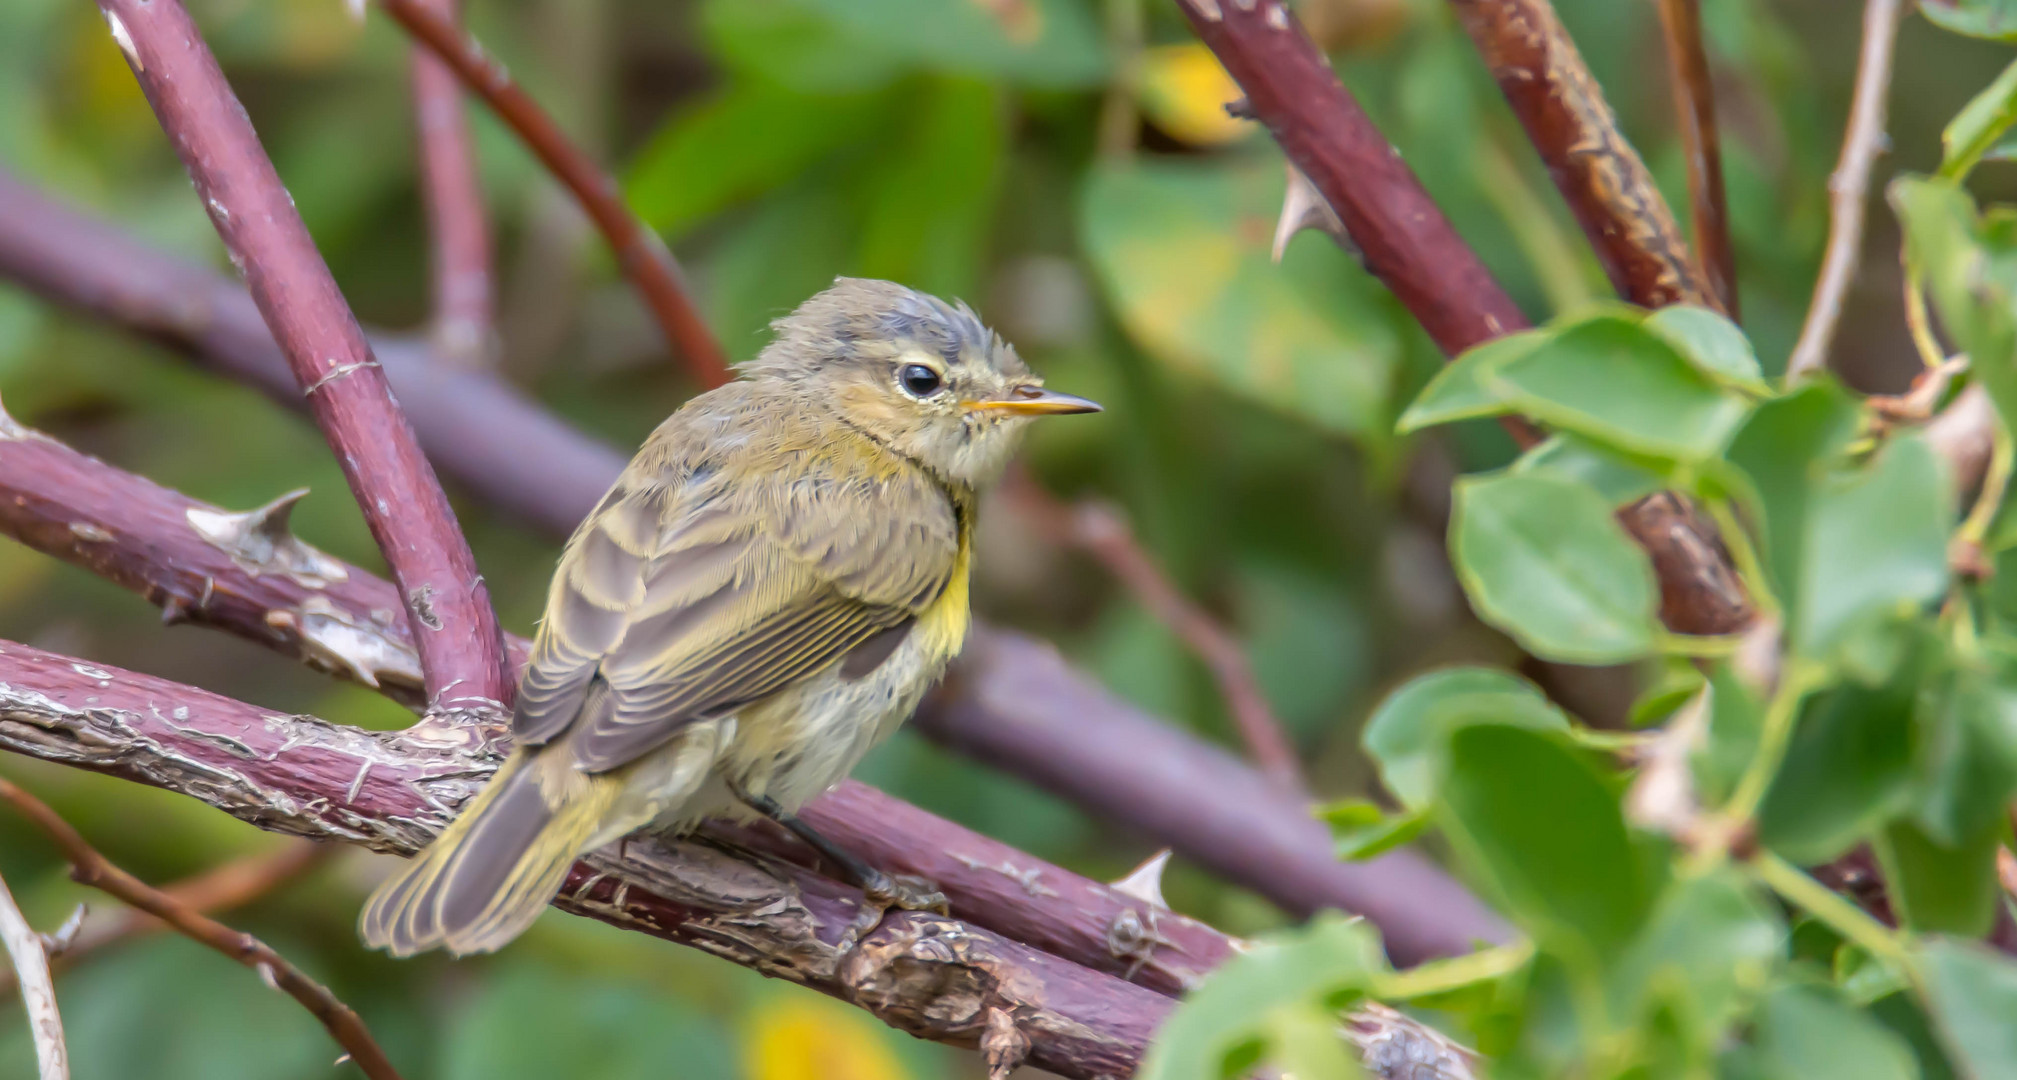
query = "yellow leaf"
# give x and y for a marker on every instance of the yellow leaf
(800, 1037)
(1185, 93)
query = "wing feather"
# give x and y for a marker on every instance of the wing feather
(692, 597)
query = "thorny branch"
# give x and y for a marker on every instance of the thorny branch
(936, 977)
(1848, 188)
(90, 868)
(441, 592)
(639, 252)
(1099, 752)
(1605, 183)
(1408, 244)
(459, 232)
(30, 958)
(1695, 111)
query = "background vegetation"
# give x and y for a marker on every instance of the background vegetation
(1064, 165)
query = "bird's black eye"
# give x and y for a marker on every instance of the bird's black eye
(918, 379)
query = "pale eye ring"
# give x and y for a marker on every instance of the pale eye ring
(919, 380)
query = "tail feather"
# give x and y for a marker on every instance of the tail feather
(495, 868)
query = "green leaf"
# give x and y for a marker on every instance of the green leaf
(1848, 768)
(1972, 994)
(1810, 1034)
(1239, 1001)
(1941, 887)
(1409, 736)
(1618, 479)
(1969, 265)
(1876, 544)
(1182, 250)
(1543, 829)
(1712, 343)
(1613, 381)
(1305, 1042)
(1845, 545)
(1456, 392)
(1362, 830)
(1968, 764)
(1979, 125)
(931, 198)
(1711, 944)
(739, 145)
(1736, 718)
(1676, 682)
(1542, 559)
(1995, 19)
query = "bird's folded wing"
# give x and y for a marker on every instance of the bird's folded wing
(695, 601)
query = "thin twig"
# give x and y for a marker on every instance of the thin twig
(1100, 531)
(440, 589)
(1604, 181)
(90, 868)
(639, 251)
(1848, 188)
(1695, 110)
(459, 235)
(221, 888)
(38, 990)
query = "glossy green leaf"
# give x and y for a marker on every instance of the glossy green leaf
(1972, 994)
(1712, 343)
(1979, 125)
(1811, 1034)
(1876, 544)
(1968, 765)
(1711, 944)
(1237, 1004)
(1995, 19)
(1845, 544)
(1736, 718)
(1942, 887)
(741, 144)
(1182, 250)
(1542, 559)
(1543, 829)
(1617, 478)
(1615, 382)
(1848, 768)
(1456, 392)
(1409, 736)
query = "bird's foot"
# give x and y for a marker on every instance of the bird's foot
(882, 891)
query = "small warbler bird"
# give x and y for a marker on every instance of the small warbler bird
(765, 593)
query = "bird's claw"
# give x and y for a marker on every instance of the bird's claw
(883, 891)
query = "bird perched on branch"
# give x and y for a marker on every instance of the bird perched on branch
(765, 594)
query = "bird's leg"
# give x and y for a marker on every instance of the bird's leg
(881, 889)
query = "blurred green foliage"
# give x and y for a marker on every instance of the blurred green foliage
(967, 147)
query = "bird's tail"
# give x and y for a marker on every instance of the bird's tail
(495, 868)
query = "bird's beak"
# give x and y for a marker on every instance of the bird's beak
(1036, 401)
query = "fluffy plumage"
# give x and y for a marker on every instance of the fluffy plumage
(766, 592)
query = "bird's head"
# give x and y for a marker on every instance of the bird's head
(921, 376)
